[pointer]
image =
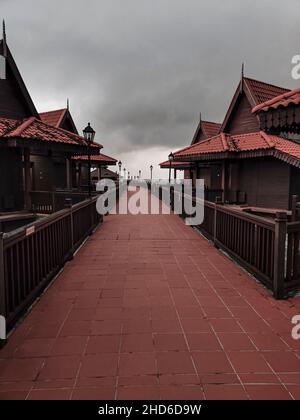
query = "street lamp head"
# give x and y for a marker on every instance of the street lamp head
(89, 133)
(151, 167)
(171, 157)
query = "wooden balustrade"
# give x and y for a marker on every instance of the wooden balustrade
(269, 249)
(29, 259)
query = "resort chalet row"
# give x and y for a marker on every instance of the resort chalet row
(42, 155)
(253, 157)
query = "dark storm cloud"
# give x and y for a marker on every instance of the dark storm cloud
(143, 70)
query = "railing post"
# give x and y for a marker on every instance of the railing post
(279, 254)
(68, 205)
(2, 295)
(218, 201)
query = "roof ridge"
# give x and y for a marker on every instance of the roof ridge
(267, 139)
(53, 110)
(224, 141)
(25, 124)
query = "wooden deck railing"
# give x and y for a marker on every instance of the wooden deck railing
(47, 202)
(269, 249)
(29, 259)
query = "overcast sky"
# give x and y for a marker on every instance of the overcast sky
(141, 71)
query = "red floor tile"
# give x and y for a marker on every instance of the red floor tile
(94, 366)
(138, 393)
(235, 341)
(101, 393)
(195, 325)
(50, 394)
(203, 342)
(103, 344)
(212, 362)
(137, 364)
(174, 362)
(13, 395)
(248, 362)
(62, 367)
(225, 325)
(182, 392)
(108, 327)
(36, 347)
(225, 392)
(67, 346)
(21, 370)
(267, 392)
(283, 361)
(169, 342)
(137, 343)
(268, 342)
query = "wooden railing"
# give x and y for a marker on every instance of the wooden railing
(29, 259)
(268, 248)
(47, 202)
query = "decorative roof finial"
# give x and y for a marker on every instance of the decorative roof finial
(200, 117)
(242, 77)
(4, 39)
(68, 104)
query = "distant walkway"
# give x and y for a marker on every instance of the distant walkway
(149, 309)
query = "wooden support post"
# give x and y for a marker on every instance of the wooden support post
(294, 207)
(69, 174)
(279, 254)
(27, 198)
(2, 290)
(223, 181)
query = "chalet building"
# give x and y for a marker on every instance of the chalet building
(62, 118)
(38, 151)
(255, 157)
(204, 131)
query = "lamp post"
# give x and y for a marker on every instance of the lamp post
(171, 158)
(120, 167)
(151, 171)
(89, 135)
(128, 175)
(140, 174)
(124, 173)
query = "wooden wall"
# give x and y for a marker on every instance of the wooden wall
(49, 172)
(12, 104)
(242, 120)
(11, 180)
(266, 182)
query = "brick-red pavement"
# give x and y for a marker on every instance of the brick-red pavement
(148, 309)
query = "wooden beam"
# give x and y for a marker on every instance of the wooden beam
(27, 179)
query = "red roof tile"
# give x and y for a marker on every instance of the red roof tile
(53, 117)
(98, 158)
(241, 143)
(35, 129)
(261, 91)
(178, 165)
(210, 128)
(291, 97)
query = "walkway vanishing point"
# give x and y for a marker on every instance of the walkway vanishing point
(149, 309)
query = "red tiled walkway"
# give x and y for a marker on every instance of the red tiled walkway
(149, 309)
